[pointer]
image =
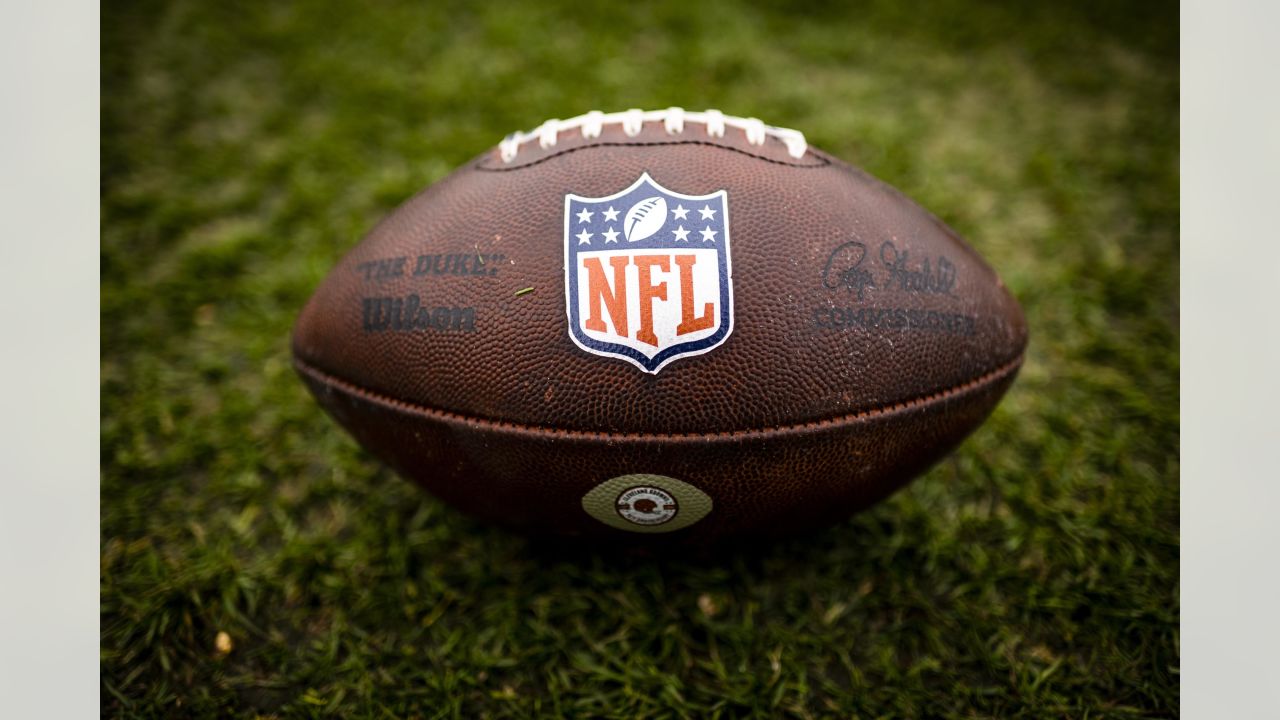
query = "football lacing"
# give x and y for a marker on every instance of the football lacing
(673, 120)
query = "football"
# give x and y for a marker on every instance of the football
(660, 326)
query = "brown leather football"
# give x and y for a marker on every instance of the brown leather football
(660, 325)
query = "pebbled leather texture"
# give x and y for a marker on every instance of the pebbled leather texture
(828, 394)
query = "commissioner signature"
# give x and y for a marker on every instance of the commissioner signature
(845, 270)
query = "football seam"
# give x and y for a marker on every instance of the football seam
(822, 162)
(352, 389)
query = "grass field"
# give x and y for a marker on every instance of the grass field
(246, 146)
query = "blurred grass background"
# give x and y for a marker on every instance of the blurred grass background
(246, 146)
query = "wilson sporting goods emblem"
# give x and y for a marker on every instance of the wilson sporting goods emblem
(647, 273)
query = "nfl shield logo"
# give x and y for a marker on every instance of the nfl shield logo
(647, 273)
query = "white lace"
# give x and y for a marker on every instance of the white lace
(673, 121)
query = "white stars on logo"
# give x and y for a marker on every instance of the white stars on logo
(610, 214)
(680, 212)
(584, 237)
(707, 213)
(681, 233)
(585, 216)
(610, 235)
(708, 235)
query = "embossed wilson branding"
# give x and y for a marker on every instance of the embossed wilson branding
(647, 273)
(420, 312)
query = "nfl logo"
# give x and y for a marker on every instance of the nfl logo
(647, 273)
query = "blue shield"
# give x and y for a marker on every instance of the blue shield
(647, 273)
